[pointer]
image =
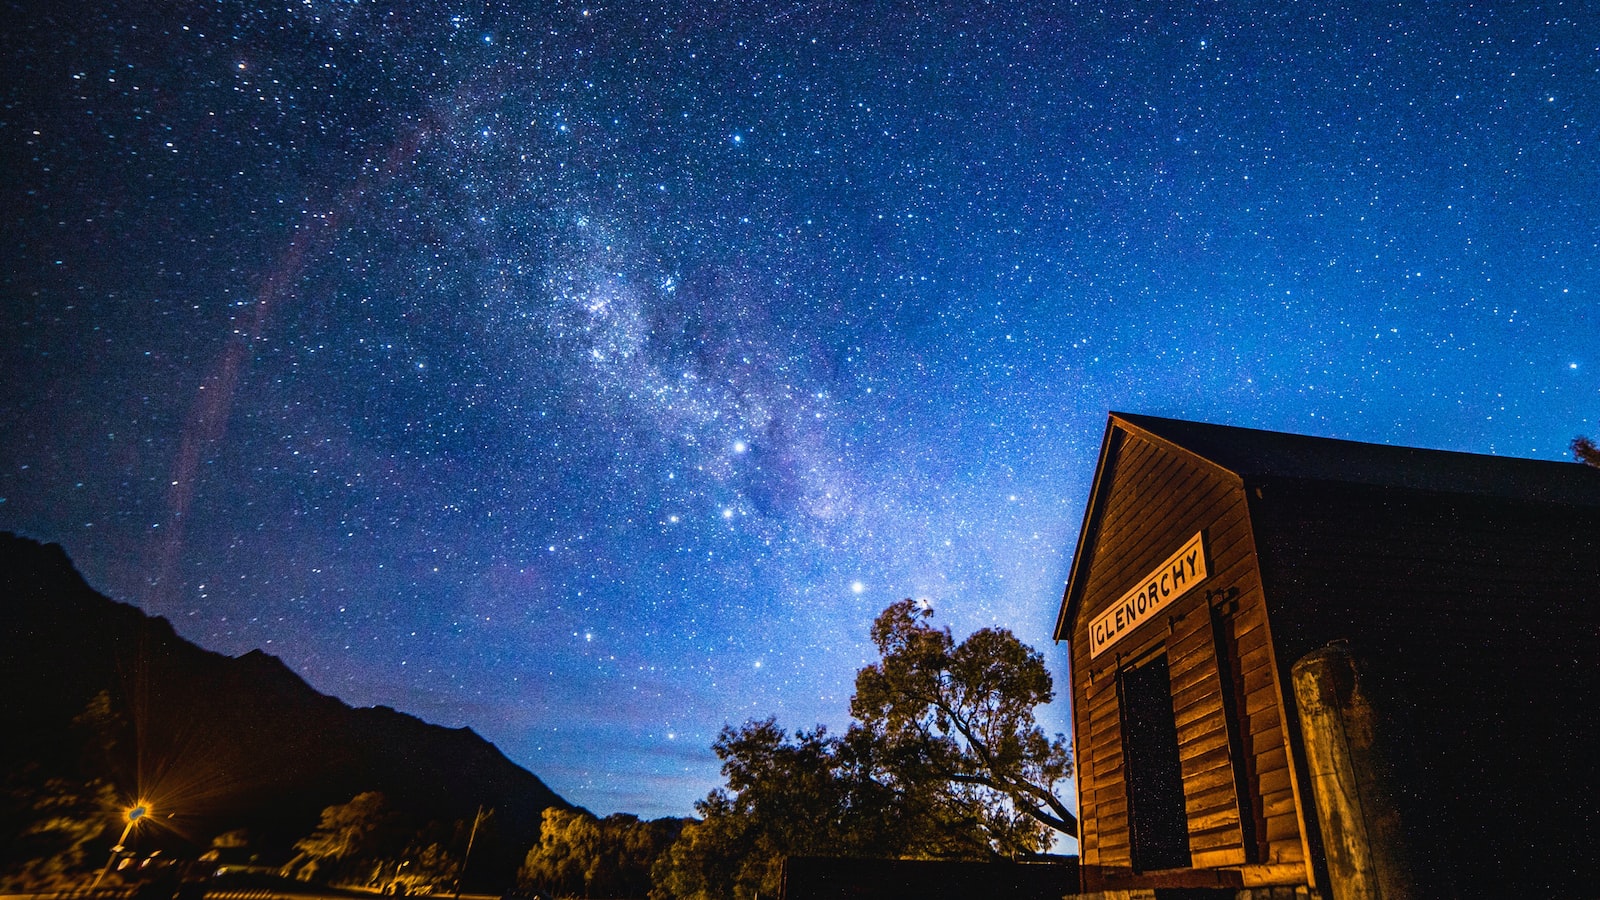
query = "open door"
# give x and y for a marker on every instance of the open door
(1158, 824)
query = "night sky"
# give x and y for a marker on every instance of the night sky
(591, 375)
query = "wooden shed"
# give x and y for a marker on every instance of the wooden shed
(1439, 614)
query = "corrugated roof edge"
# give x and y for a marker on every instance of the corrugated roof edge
(1256, 454)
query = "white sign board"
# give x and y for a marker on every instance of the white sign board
(1169, 581)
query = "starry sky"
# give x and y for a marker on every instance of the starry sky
(592, 374)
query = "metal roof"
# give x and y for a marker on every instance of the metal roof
(1254, 455)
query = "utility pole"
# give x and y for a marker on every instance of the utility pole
(473, 836)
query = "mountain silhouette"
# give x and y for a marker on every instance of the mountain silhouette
(90, 687)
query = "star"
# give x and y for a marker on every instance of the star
(484, 339)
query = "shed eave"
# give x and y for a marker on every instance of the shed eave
(1072, 595)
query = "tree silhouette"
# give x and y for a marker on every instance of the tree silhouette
(1585, 451)
(580, 855)
(567, 854)
(947, 761)
(348, 833)
(963, 714)
(50, 829)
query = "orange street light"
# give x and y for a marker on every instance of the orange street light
(133, 814)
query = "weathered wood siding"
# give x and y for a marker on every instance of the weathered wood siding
(1476, 620)
(1462, 587)
(1152, 498)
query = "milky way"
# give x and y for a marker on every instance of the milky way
(592, 375)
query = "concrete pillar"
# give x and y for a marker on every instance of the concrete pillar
(1360, 826)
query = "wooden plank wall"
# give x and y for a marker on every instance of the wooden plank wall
(1475, 621)
(1157, 498)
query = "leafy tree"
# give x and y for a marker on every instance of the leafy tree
(579, 855)
(568, 851)
(642, 843)
(783, 798)
(1585, 451)
(57, 822)
(704, 863)
(815, 794)
(427, 864)
(946, 760)
(349, 833)
(59, 815)
(105, 733)
(963, 715)
(632, 848)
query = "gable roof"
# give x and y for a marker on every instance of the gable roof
(1253, 455)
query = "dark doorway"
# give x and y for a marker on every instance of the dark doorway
(1158, 825)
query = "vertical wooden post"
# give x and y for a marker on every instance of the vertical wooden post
(462, 869)
(1361, 835)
